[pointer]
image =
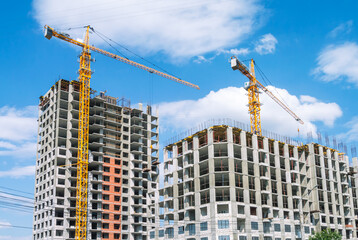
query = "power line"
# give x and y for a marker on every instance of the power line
(15, 190)
(22, 210)
(9, 196)
(14, 226)
(16, 205)
(17, 195)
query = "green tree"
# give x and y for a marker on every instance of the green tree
(326, 235)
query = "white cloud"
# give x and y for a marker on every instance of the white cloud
(308, 99)
(266, 45)
(15, 238)
(18, 124)
(233, 51)
(178, 28)
(338, 62)
(4, 224)
(18, 172)
(232, 102)
(18, 131)
(342, 28)
(352, 134)
(7, 145)
(202, 59)
(20, 150)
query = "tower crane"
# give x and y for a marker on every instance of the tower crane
(253, 89)
(83, 126)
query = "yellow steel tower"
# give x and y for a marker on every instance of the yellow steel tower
(253, 90)
(83, 127)
(83, 131)
(254, 102)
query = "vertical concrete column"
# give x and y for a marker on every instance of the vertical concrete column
(210, 136)
(355, 168)
(314, 188)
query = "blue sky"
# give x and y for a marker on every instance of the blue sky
(307, 49)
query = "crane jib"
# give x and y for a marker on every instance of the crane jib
(49, 32)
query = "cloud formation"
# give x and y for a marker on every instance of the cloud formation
(15, 238)
(233, 51)
(232, 102)
(179, 29)
(4, 224)
(18, 172)
(352, 133)
(18, 131)
(18, 124)
(338, 63)
(343, 28)
(23, 150)
(266, 45)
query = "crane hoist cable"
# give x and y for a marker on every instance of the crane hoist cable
(135, 54)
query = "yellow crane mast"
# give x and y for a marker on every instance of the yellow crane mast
(83, 127)
(253, 88)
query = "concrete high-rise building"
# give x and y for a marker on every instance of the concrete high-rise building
(123, 167)
(224, 183)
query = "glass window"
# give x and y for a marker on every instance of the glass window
(204, 238)
(242, 238)
(254, 226)
(203, 226)
(170, 232)
(181, 230)
(307, 230)
(191, 228)
(287, 228)
(223, 224)
(226, 237)
(161, 233)
(152, 234)
(277, 227)
(267, 227)
(255, 238)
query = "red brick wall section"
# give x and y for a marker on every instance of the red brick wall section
(111, 217)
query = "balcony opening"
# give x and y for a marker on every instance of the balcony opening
(236, 136)
(249, 140)
(220, 134)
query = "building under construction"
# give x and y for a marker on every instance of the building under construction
(122, 170)
(220, 183)
(224, 183)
